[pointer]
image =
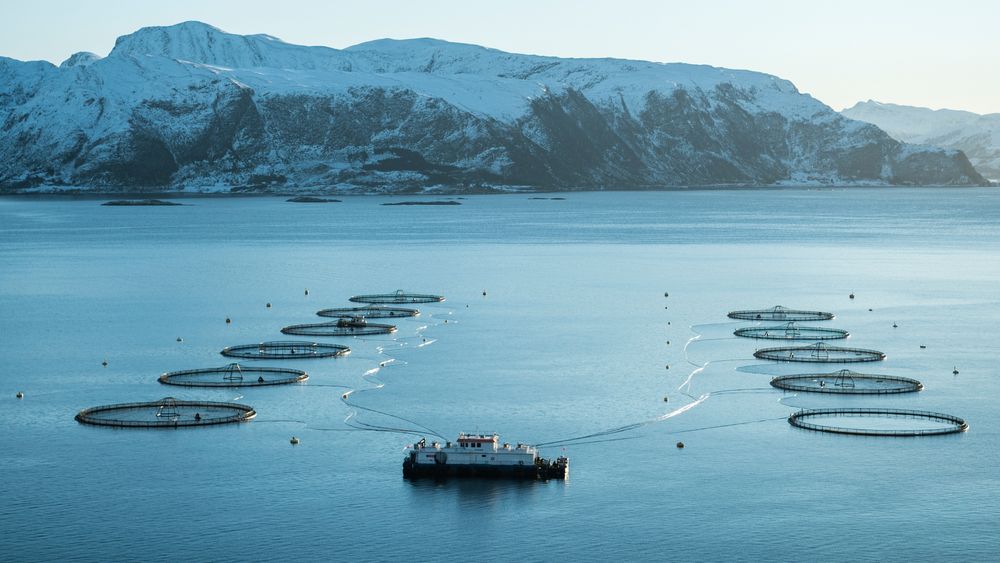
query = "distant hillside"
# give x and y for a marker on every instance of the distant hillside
(190, 107)
(976, 135)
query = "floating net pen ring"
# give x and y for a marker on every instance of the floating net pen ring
(792, 331)
(779, 313)
(285, 350)
(398, 297)
(233, 375)
(819, 353)
(847, 382)
(951, 424)
(166, 413)
(370, 312)
(342, 327)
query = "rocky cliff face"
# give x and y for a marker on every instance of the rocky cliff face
(978, 136)
(189, 107)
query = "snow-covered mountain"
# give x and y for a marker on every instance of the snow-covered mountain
(190, 107)
(975, 134)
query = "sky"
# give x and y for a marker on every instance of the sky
(933, 54)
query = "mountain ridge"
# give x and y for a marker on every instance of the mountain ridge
(976, 135)
(190, 107)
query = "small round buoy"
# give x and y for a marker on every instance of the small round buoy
(466, 306)
(954, 371)
(19, 395)
(294, 440)
(851, 296)
(668, 366)
(869, 309)
(268, 305)
(894, 325)
(484, 293)
(104, 363)
(179, 339)
(666, 399)
(680, 445)
(228, 320)
(668, 322)
(307, 291)
(446, 321)
(668, 343)
(344, 396)
(665, 294)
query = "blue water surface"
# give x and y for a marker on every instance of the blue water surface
(573, 338)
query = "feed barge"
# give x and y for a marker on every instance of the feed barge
(480, 455)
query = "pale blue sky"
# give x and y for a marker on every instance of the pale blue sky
(927, 53)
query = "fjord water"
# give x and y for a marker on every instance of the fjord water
(573, 337)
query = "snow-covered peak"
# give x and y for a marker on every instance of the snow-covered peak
(201, 43)
(83, 58)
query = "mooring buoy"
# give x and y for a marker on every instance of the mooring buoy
(19, 395)
(105, 363)
(666, 399)
(894, 325)
(922, 346)
(851, 296)
(268, 305)
(668, 366)
(665, 294)
(228, 320)
(307, 291)
(179, 339)
(484, 293)
(954, 371)
(294, 440)
(680, 445)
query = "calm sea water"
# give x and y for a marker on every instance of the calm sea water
(573, 338)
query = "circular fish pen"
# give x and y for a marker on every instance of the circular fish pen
(233, 375)
(398, 298)
(847, 382)
(819, 353)
(792, 331)
(344, 327)
(779, 313)
(285, 350)
(892, 422)
(166, 413)
(371, 312)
